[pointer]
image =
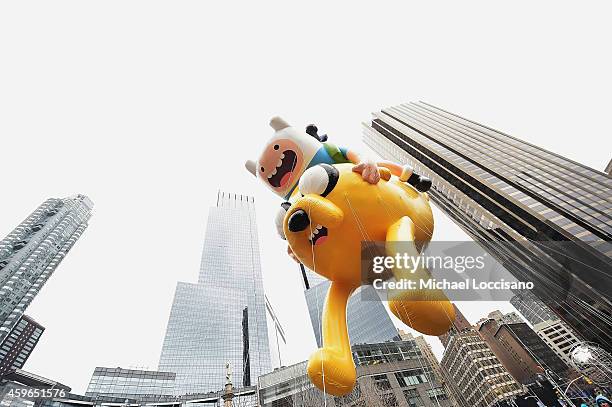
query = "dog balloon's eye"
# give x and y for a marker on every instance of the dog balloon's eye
(320, 180)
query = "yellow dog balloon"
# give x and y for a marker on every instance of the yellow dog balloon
(334, 212)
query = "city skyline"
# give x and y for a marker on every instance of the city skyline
(132, 362)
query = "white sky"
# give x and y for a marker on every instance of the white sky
(150, 107)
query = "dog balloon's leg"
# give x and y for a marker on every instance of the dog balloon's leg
(331, 368)
(425, 310)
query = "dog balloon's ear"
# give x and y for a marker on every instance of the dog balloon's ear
(313, 131)
(250, 166)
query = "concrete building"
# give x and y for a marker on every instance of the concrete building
(388, 374)
(459, 325)
(32, 252)
(130, 383)
(521, 350)
(367, 318)
(479, 378)
(540, 215)
(558, 337)
(472, 372)
(222, 317)
(432, 361)
(18, 345)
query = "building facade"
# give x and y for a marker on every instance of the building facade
(545, 218)
(367, 318)
(18, 345)
(32, 252)
(476, 373)
(388, 374)
(433, 362)
(558, 337)
(532, 308)
(130, 383)
(521, 350)
(222, 317)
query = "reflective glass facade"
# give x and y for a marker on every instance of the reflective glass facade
(499, 188)
(367, 318)
(222, 317)
(33, 250)
(129, 383)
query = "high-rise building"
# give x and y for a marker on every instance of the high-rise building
(367, 318)
(520, 350)
(545, 218)
(558, 337)
(532, 308)
(130, 383)
(18, 345)
(472, 372)
(608, 169)
(221, 318)
(32, 252)
(477, 375)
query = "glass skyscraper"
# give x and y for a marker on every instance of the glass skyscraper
(221, 318)
(32, 252)
(367, 318)
(545, 218)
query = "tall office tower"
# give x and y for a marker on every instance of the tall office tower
(545, 218)
(18, 345)
(222, 317)
(130, 383)
(520, 350)
(32, 252)
(558, 337)
(608, 169)
(532, 308)
(367, 318)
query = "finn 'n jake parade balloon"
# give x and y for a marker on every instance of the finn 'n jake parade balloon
(334, 212)
(290, 152)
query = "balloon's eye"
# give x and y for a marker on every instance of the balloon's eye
(262, 169)
(320, 179)
(276, 146)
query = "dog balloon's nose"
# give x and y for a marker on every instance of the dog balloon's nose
(423, 184)
(298, 221)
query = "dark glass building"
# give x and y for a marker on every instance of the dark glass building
(545, 218)
(19, 344)
(221, 318)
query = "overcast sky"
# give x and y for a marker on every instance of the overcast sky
(150, 107)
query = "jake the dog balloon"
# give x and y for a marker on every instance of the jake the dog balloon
(335, 211)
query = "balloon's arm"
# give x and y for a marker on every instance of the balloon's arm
(400, 240)
(403, 172)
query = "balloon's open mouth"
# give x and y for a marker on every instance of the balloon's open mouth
(284, 170)
(318, 235)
